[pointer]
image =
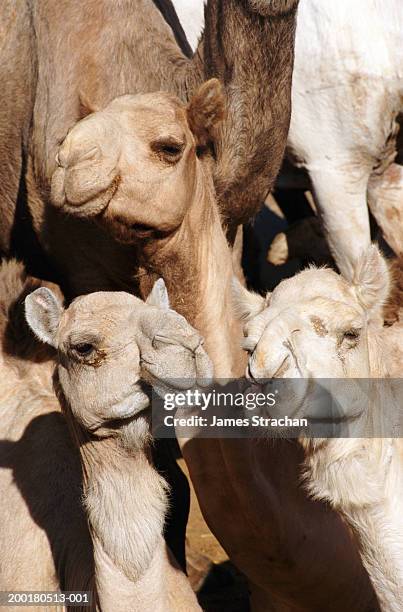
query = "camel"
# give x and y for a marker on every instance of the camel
(66, 63)
(120, 166)
(346, 112)
(318, 326)
(344, 125)
(110, 341)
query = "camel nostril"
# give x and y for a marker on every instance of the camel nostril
(69, 156)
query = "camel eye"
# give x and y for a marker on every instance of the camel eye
(351, 336)
(84, 349)
(171, 149)
(168, 150)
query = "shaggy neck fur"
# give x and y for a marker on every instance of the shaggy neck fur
(362, 479)
(125, 501)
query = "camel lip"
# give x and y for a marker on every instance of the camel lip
(142, 230)
(119, 424)
(135, 402)
(131, 232)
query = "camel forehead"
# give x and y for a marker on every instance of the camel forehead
(101, 310)
(313, 285)
(159, 106)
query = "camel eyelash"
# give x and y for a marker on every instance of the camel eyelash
(352, 334)
(168, 149)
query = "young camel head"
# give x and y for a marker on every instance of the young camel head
(108, 343)
(316, 324)
(138, 164)
(318, 327)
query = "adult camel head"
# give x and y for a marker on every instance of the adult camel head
(107, 343)
(143, 169)
(138, 164)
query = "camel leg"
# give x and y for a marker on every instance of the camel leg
(385, 200)
(341, 199)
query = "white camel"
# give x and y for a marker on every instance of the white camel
(107, 343)
(319, 326)
(347, 94)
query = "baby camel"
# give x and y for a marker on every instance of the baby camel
(107, 343)
(318, 326)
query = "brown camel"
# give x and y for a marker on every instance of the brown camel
(101, 339)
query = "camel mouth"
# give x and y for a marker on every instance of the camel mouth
(131, 415)
(142, 230)
(129, 233)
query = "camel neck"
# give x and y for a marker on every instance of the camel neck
(371, 507)
(196, 265)
(377, 531)
(125, 503)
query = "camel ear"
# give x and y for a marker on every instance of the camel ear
(206, 110)
(159, 295)
(371, 279)
(246, 303)
(43, 312)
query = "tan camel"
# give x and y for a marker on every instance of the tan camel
(98, 50)
(105, 341)
(122, 166)
(317, 325)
